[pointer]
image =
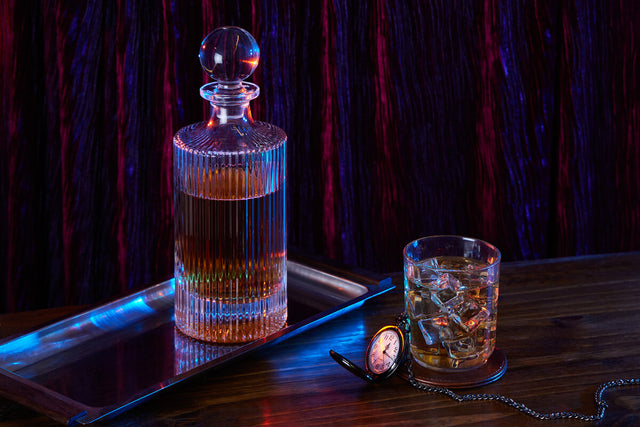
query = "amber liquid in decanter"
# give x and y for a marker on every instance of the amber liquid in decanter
(229, 206)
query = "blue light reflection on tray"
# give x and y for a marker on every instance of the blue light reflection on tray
(110, 319)
(111, 358)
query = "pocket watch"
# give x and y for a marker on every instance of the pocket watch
(385, 353)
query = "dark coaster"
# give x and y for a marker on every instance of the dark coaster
(491, 371)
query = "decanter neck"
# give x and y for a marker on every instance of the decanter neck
(230, 114)
(229, 101)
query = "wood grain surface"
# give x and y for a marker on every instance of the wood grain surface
(566, 325)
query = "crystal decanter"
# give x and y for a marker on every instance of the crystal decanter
(229, 205)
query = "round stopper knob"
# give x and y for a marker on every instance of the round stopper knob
(229, 54)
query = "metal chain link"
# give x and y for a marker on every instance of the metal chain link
(601, 404)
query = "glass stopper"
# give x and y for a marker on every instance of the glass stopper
(229, 54)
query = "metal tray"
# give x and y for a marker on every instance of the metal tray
(106, 360)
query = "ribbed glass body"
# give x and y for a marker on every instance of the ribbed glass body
(230, 227)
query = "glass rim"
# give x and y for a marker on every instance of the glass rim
(491, 265)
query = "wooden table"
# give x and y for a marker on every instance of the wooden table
(566, 325)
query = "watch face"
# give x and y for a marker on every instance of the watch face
(384, 351)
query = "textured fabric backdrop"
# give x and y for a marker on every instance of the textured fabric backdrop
(512, 121)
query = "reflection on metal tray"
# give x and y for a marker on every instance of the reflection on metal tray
(108, 359)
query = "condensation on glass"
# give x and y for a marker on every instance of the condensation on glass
(229, 205)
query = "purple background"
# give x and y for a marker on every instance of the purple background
(515, 122)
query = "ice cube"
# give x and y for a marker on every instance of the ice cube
(452, 281)
(445, 298)
(476, 282)
(432, 328)
(431, 263)
(462, 348)
(438, 281)
(468, 315)
(427, 275)
(421, 274)
(450, 330)
(444, 281)
(420, 304)
(445, 290)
